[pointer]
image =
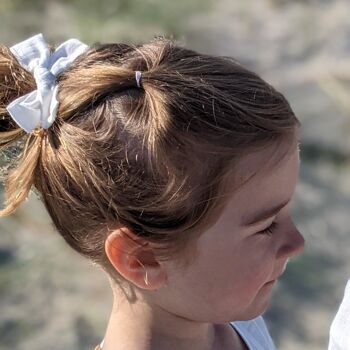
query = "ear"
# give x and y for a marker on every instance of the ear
(134, 259)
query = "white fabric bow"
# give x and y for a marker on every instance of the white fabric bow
(39, 107)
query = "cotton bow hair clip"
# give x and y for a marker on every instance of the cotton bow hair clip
(39, 107)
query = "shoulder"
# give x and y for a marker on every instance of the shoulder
(255, 334)
(340, 328)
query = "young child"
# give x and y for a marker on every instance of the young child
(170, 169)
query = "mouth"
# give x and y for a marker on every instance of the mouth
(275, 279)
(279, 275)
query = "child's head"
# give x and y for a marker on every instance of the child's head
(160, 179)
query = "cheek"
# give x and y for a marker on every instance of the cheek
(245, 270)
(256, 267)
(241, 288)
(221, 284)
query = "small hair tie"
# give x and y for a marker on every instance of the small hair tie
(39, 131)
(138, 78)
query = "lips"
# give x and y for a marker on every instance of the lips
(275, 279)
(280, 274)
(285, 265)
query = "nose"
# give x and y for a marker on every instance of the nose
(293, 243)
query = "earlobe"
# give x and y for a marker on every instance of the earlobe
(134, 259)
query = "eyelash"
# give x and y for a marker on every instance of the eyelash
(269, 230)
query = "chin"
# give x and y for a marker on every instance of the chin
(257, 308)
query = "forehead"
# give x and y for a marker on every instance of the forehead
(264, 178)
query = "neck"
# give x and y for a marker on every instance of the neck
(139, 325)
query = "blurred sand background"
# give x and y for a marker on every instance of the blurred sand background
(51, 298)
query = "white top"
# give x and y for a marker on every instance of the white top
(340, 329)
(253, 332)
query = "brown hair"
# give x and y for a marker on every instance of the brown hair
(154, 158)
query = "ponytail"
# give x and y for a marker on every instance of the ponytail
(15, 81)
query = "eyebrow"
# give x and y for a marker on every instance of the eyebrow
(264, 214)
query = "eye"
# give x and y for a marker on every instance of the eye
(269, 230)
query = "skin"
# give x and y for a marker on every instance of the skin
(231, 278)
